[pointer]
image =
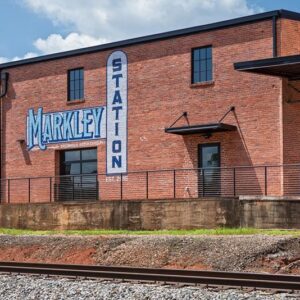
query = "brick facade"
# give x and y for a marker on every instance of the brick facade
(159, 90)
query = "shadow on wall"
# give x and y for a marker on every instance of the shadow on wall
(248, 180)
(25, 152)
(17, 138)
(6, 105)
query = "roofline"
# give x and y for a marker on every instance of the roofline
(267, 62)
(155, 37)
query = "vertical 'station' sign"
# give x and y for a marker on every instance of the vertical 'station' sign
(116, 110)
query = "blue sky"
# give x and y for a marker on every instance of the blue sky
(37, 27)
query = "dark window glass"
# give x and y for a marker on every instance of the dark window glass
(75, 84)
(71, 155)
(83, 161)
(202, 64)
(89, 154)
(210, 156)
(89, 168)
(76, 94)
(81, 94)
(209, 76)
(72, 168)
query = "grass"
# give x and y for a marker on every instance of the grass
(193, 232)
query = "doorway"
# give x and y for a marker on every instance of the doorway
(78, 180)
(209, 162)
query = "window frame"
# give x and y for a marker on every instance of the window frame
(203, 145)
(193, 82)
(63, 162)
(69, 85)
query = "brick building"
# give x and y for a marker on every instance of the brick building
(222, 95)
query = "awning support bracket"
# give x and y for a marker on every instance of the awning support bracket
(185, 115)
(232, 108)
(295, 89)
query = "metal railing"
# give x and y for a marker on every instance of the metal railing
(157, 184)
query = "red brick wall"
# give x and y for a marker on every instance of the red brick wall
(288, 37)
(289, 44)
(291, 136)
(291, 123)
(159, 90)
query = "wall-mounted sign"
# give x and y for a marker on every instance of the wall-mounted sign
(100, 122)
(65, 126)
(116, 112)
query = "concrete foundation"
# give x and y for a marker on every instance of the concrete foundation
(270, 213)
(153, 215)
(135, 215)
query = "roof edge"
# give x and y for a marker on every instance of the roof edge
(156, 37)
(273, 61)
(288, 14)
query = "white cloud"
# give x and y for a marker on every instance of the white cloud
(56, 43)
(3, 60)
(27, 55)
(92, 22)
(120, 19)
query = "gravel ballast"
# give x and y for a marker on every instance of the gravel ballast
(38, 287)
(252, 253)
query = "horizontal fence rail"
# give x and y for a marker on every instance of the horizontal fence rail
(156, 184)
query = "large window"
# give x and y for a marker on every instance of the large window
(80, 182)
(75, 84)
(202, 64)
(78, 162)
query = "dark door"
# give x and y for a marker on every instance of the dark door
(79, 175)
(209, 169)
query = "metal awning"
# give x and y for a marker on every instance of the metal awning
(201, 129)
(284, 66)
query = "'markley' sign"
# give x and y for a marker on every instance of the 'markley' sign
(108, 122)
(65, 126)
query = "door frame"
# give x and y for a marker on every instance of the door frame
(201, 192)
(200, 146)
(66, 191)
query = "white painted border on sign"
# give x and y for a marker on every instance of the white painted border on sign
(116, 113)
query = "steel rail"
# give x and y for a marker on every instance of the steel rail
(184, 272)
(213, 278)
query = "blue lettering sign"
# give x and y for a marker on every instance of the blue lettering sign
(34, 129)
(66, 126)
(116, 161)
(116, 111)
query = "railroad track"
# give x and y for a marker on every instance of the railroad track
(208, 278)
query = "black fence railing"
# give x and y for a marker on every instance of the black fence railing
(158, 184)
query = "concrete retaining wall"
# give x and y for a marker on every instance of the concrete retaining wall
(135, 215)
(269, 212)
(159, 214)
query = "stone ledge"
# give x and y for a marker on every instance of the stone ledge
(269, 198)
(177, 200)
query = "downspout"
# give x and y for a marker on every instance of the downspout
(3, 91)
(4, 83)
(274, 30)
